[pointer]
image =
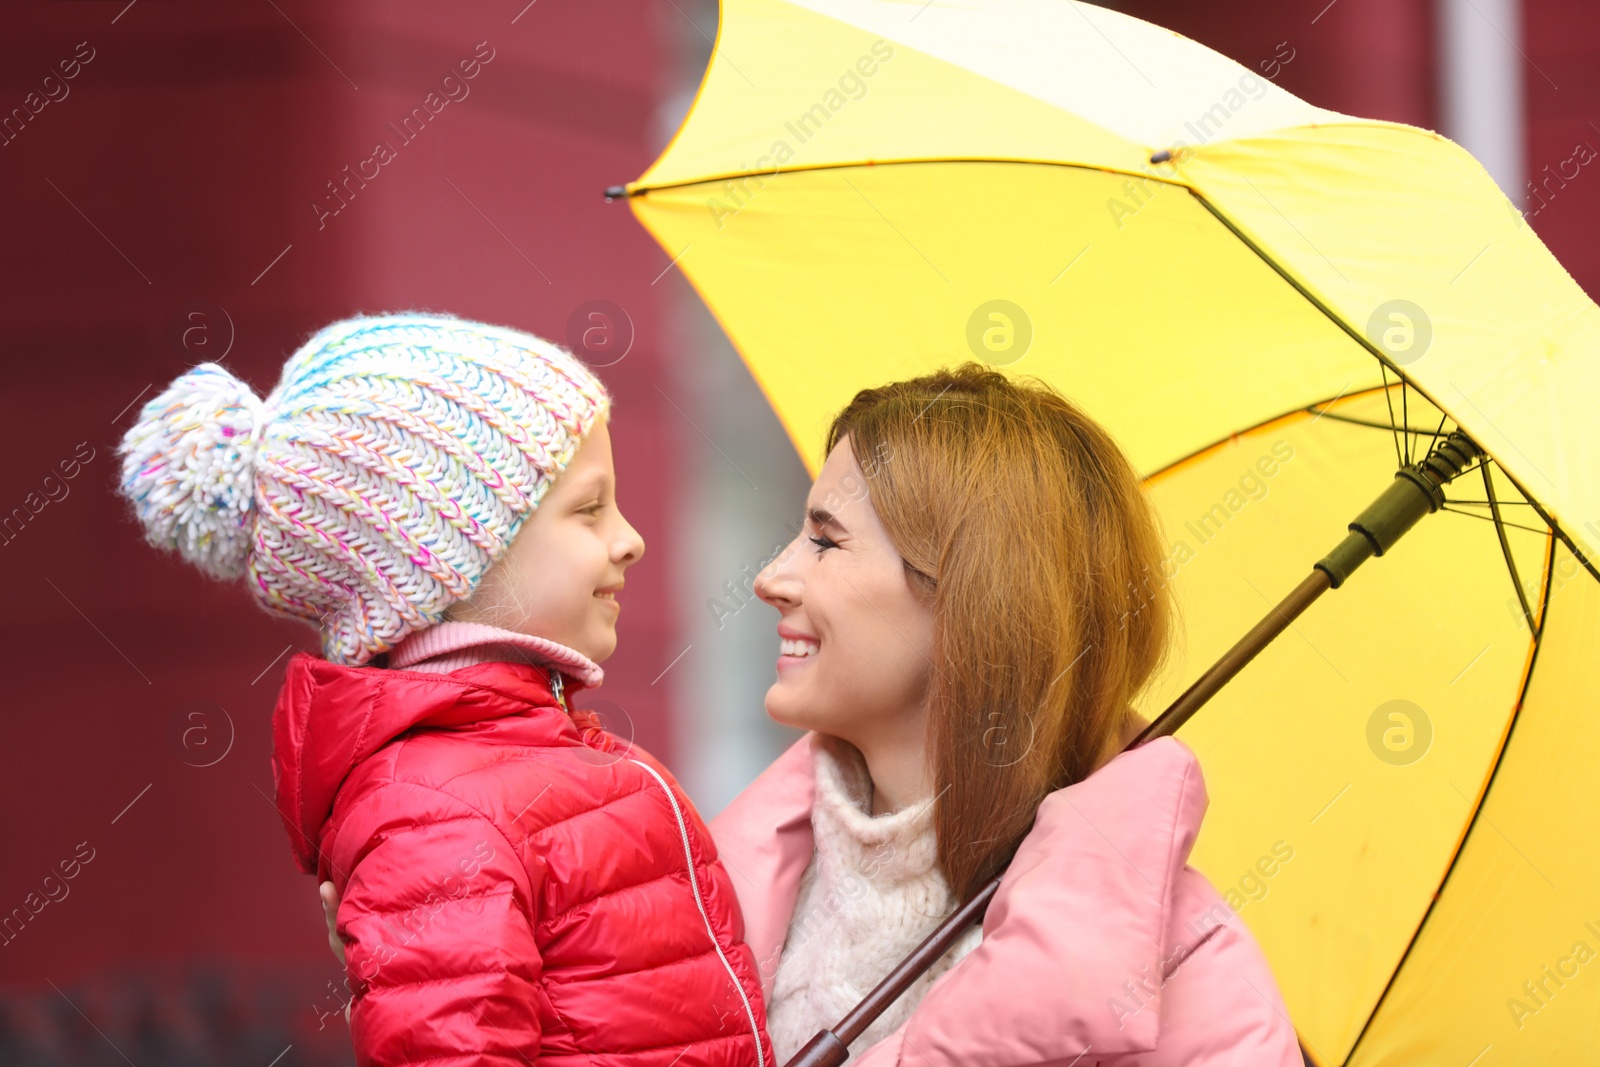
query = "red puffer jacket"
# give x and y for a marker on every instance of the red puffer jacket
(518, 886)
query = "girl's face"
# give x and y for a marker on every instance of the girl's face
(561, 576)
(856, 635)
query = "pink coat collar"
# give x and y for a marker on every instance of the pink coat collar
(1097, 904)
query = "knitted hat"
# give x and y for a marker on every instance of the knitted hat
(394, 462)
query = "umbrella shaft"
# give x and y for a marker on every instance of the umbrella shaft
(1233, 661)
(1417, 490)
(831, 1047)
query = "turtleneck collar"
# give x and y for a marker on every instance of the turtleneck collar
(900, 844)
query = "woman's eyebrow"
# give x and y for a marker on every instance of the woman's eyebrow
(824, 517)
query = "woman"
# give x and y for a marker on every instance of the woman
(973, 603)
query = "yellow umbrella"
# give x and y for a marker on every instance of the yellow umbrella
(1271, 306)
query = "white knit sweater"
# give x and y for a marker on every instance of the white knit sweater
(870, 895)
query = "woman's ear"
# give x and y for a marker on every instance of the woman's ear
(925, 587)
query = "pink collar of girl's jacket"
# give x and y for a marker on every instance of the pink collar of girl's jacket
(449, 646)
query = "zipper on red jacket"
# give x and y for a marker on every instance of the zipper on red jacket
(694, 886)
(556, 688)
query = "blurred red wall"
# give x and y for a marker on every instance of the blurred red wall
(1562, 90)
(170, 187)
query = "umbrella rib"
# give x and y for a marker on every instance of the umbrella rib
(1355, 335)
(1254, 427)
(717, 178)
(1505, 545)
(1496, 521)
(1436, 432)
(1296, 229)
(1315, 301)
(1405, 418)
(1516, 716)
(1388, 427)
(1388, 399)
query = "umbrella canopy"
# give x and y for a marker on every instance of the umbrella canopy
(1271, 306)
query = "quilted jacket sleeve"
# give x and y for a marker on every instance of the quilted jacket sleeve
(436, 915)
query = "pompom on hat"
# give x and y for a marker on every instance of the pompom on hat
(373, 488)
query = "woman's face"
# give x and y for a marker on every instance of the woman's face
(560, 577)
(856, 635)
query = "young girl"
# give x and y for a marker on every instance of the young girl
(437, 497)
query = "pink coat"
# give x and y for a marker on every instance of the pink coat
(1097, 906)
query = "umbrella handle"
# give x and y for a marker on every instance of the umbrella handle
(1417, 490)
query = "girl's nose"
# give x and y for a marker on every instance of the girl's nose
(628, 547)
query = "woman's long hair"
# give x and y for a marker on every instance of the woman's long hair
(1029, 530)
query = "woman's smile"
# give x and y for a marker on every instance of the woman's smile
(795, 648)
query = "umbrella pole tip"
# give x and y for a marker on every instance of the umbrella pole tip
(614, 192)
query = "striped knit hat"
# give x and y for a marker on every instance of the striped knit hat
(394, 462)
